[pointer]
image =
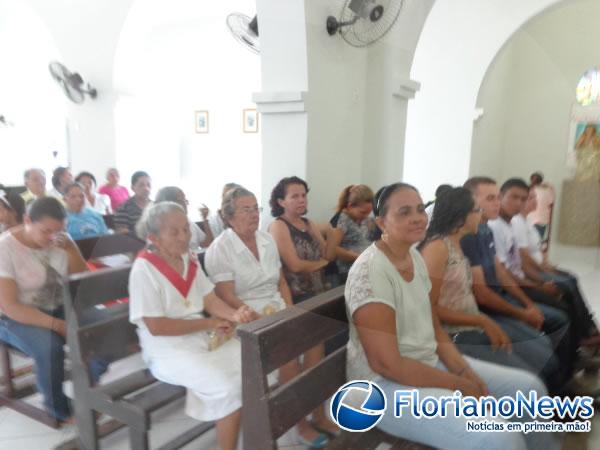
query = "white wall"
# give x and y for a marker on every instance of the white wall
(529, 105)
(173, 59)
(528, 95)
(459, 41)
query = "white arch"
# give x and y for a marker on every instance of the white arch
(460, 40)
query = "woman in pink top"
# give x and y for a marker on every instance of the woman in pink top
(541, 217)
(118, 194)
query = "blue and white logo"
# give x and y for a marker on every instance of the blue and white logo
(358, 406)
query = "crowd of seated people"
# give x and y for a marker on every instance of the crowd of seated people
(465, 300)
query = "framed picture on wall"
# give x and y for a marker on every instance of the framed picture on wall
(201, 122)
(250, 124)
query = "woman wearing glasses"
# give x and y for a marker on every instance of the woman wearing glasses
(474, 333)
(243, 261)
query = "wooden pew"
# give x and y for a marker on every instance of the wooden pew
(269, 343)
(14, 386)
(108, 245)
(129, 401)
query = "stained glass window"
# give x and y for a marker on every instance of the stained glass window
(588, 89)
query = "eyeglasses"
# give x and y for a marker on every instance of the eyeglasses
(249, 210)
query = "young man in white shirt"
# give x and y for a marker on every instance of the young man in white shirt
(538, 268)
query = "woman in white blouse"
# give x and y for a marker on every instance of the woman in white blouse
(93, 199)
(168, 295)
(244, 264)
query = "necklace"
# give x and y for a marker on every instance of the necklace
(403, 264)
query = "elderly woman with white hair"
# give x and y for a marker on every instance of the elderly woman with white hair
(169, 295)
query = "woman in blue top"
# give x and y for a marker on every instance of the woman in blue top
(82, 222)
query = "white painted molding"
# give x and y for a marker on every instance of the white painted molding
(280, 102)
(478, 114)
(407, 89)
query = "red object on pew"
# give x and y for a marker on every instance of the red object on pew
(95, 265)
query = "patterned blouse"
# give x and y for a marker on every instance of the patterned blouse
(303, 285)
(356, 237)
(456, 292)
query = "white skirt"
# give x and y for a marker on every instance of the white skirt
(213, 378)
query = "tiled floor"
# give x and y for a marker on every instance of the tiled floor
(17, 432)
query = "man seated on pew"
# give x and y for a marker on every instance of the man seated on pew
(496, 291)
(537, 268)
(130, 212)
(82, 222)
(168, 295)
(34, 259)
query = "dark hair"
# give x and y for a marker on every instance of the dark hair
(380, 202)
(474, 182)
(450, 212)
(354, 195)
(514, 183)
(86, 174)
(442, 188)
(538, 175)
(137, 175)
(71, 186)
(438, 192)
(14, 202)
(58, 172)
(279, 192)
(46, 207)
(167, 194)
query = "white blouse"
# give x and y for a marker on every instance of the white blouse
(151, 294)
(101, 205)
(256, 282)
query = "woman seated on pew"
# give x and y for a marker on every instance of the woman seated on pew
(168, 295)
(34, 258)
(93, 199)
(199, 238)
(396, 340)
(244, 264)
(82, 222)
(304, 254)
(475, 334)
(12, 209)
(353, 226)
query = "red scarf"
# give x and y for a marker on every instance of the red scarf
(183, 285)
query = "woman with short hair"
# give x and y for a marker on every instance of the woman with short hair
(118, 194)
(82, 222)
(199, 239)
(169, 296)
(93, 200)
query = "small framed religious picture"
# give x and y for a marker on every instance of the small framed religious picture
(250, 121)
(201, 122)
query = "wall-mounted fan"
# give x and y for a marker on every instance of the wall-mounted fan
(364, 22)
(245, 30)
(71, 83)
(4, 122)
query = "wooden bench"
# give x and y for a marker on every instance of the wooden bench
(129, 401)
(108, 245)
(269, 343)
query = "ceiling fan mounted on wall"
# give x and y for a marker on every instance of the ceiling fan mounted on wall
(71, 83)
(364, 22)
(244, 30)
